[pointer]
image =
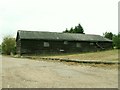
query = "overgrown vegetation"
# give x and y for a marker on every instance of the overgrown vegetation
(8, 45)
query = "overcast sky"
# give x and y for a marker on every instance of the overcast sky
(95, 16)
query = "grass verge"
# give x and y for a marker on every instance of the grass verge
(110, 55)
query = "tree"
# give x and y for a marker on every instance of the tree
(116, 41)
(77, 29)
(108, 35)
(8, 45)
(71, 30)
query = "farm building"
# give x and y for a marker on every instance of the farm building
(36, 42)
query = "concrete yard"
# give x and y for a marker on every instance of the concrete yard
(22, 73)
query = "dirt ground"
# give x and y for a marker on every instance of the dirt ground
(22, 73)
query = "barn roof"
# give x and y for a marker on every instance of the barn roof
(59, 36)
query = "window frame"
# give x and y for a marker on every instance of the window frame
(65, 42)
(91, 43)
(46, 44)
(78, 45)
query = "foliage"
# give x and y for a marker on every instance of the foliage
(108, 35)
(0, 49)
(116, 41)
(8, 45)
(114, 38)
(77, 29)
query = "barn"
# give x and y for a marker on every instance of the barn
(37, 42)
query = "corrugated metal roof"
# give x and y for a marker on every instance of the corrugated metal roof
(60, 36)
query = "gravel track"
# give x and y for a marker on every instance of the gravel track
(22, 73)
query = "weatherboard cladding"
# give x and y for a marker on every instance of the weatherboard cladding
(60, 36)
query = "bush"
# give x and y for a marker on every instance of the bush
(116, 41)
(8, 45)
(0, 49)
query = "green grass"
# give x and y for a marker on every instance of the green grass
(100, 55)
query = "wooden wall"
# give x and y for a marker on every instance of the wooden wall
(37, 46)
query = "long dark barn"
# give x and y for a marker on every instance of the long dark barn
(36, 42)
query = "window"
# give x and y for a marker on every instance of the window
(78, 45)
(91, 43)
(65, 42)
(46, 44)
